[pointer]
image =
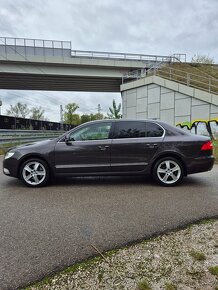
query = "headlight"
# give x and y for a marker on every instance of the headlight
(9, 154)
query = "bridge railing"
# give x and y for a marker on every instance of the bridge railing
(128, 56)
(40, 47)
(209, 84)
(35, 42)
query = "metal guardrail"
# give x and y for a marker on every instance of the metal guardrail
(209, 84)
(13, 137)
(28, 46)
(20, 132)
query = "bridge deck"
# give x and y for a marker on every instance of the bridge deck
(35, 64)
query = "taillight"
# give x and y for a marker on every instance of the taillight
(207, 146)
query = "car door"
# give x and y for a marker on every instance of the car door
(87, 150)
(134, 145)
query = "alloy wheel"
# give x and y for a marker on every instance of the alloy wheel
(169, 172)
(34, 173)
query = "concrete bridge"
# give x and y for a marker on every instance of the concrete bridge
(34, 64)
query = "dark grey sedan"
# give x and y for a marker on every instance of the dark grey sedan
(113, 147)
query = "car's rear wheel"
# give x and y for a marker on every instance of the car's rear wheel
(34, 172)
(168, 171)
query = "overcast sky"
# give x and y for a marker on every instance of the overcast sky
(141, 26)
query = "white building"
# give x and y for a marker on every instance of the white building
(154, 97)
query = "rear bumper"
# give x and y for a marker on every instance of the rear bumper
(200, 164)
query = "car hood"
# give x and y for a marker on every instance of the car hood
(33, 145)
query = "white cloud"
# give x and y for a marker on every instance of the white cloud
(141, 26)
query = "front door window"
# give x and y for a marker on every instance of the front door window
(92, 132)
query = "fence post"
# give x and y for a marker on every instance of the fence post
(188, 79)
(155, 71)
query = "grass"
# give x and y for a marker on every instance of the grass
(170, 286)
(7, 146)
(144, 285)
(100, 276)
(2, 151)
(78, 266)
(198, 256)
(215, 149)
(71, 269)
(213, 270)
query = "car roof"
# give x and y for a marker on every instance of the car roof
(125, 120)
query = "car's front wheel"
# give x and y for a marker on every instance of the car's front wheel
(34, 172)
(168, 171)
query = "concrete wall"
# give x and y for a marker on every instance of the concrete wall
(153, 101)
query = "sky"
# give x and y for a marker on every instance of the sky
(159, 27)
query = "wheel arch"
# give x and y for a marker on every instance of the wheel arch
(170, 154)
(32, 156)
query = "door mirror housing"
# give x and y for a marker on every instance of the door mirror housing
(67, 139)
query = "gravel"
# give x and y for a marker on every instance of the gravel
(179, 260)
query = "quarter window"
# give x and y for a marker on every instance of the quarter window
(92, 132)
(153, 130)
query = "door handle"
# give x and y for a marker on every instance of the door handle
(151, 145)
(103, 148)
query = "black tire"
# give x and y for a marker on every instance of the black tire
(34, 172)
(168, 171)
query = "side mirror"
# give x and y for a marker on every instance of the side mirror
(67, 139)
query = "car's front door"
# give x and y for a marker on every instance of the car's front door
(86, 151)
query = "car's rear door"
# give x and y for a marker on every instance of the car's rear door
(134, 145)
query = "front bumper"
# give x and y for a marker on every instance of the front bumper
(10, 167)
(6, 171)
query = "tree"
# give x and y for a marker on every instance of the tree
(97, 116)
(85, 118)
(114, 111)
(69, 116)
(37, 113)
(19, 110)
(199, 59)
(91, 117)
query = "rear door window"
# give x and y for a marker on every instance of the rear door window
(137, 129)
(130, 129)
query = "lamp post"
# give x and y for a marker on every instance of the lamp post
(0, 106)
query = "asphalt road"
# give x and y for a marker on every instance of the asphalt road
(45, 230)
